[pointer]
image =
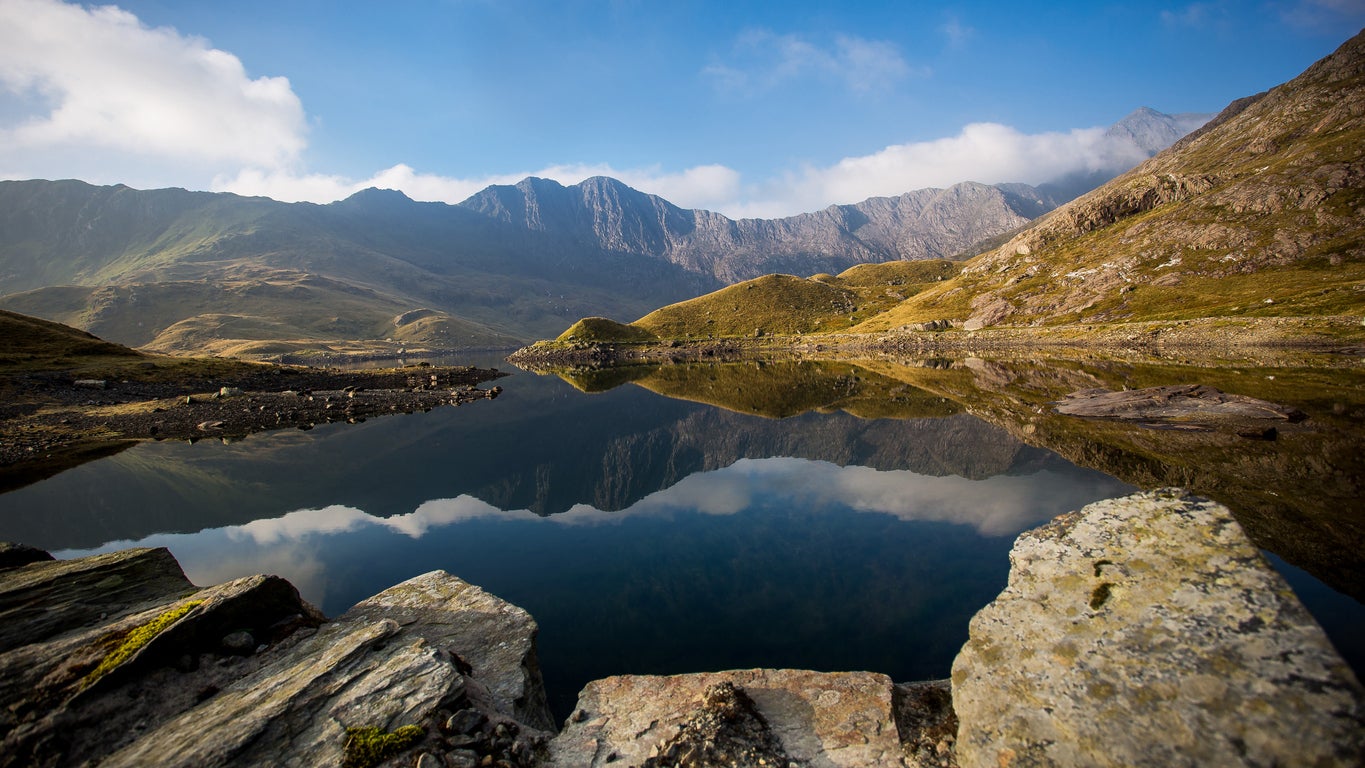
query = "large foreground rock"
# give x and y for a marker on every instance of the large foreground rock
(1147, 631)
(413, 655)
(816, 718)
(246, 673)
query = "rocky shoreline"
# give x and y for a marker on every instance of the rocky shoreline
(1138, 631)
(1208, 338)
(51, 420)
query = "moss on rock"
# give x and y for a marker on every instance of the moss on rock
(368, 746)
(135, 640)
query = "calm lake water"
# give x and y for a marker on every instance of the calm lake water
(646, 534)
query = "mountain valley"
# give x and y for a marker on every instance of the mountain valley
(378, 274)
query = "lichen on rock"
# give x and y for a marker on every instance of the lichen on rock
(126, 645)
(1148, 630)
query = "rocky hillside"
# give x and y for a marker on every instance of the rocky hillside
(1260, 213)
(925, 224)
(180, 271)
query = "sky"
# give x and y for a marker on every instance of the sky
(747, 108)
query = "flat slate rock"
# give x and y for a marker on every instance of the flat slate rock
(817, 718)
(401, 658)
(45, 598)
(1148, 631)
(1178, 402)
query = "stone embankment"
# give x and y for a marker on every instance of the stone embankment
(49, 414)
(1137, 631)
(1206, 338)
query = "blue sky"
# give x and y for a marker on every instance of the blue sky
(750, 108)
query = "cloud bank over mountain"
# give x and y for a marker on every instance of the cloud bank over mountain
(102, 94)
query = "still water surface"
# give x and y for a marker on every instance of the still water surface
(645, 534)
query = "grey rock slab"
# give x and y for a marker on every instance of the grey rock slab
(389, 662)
(1148, 631)
(43, 599)
(52, 704)
(257, 713)
(1176, 402)
(818, 718)
(495, 638)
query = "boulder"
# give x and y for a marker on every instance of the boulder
(1148, 631)
(46, 598)
(117, 658)
(1187, 403)
(495, 638)
(94, 686)
(403, 659)
(815, 718)
(14, 555)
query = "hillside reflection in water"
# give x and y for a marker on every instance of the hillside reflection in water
(646, 534)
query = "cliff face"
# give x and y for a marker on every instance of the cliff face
(925, 224)
(1259, 212)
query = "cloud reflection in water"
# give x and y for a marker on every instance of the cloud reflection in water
(298, 545)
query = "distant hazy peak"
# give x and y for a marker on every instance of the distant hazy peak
(374, 196)
(1153, 131)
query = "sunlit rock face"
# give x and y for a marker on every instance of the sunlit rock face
(1149, 631)
(810, 718)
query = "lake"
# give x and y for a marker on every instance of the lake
(821, 515)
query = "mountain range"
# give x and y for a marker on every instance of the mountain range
(180, 271)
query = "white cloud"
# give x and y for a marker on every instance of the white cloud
(989, 153)
(761, 60)
(99, 78)
(955, 32)
(93, 93)
(994, 506)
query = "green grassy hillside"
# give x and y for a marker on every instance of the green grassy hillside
(1258, 215)
(166, 267)
(778, 305)
(30, 342)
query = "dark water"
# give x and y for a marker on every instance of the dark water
(645, 534)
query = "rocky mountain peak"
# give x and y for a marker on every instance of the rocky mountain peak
(1269, 186)
(1152, 131)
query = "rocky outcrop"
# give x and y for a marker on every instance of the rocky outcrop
(1266, 188)
(1149, 631)
(816, 718)
(1191, 404)
(432, 652)
(924, 224)
(134, 667)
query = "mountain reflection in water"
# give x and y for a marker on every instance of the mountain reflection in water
(816, 515)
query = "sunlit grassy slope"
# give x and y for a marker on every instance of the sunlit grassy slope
(777, 305)
(1260, 214)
